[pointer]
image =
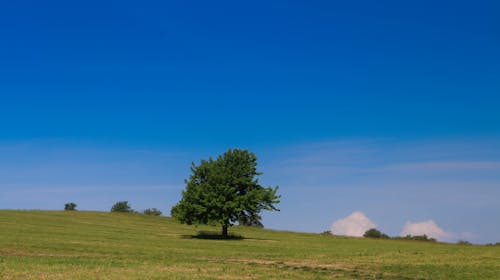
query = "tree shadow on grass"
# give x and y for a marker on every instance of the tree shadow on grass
(214, 236)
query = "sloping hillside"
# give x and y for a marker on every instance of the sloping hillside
(95, 245)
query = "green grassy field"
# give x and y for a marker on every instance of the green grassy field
(95, 245)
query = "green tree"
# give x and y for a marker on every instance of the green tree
(375, 233)
(122, 206)
(224, 191)
(417, 238)
(70, 206)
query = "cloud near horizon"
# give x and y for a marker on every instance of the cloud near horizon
(429, 228)
(356, 224)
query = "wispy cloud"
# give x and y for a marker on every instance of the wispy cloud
(443, 166)
(379, 160)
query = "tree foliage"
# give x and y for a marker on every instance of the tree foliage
(122, 206)
(70, 206)
(423, 237)
(225, 191)
(375, 233)
(253, 220)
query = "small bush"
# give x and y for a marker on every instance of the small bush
(417, 238)
(463, 242)
(122, 206)
(375, 233)
(152, 212)
(326, 232)
(70, 206)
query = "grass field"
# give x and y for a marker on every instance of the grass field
(96, 245)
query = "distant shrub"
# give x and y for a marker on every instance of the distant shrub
(122, 206)
(463, 242)
(417, 238)
(375, 233)
(326, 232)
(152, 212)
(70, 206)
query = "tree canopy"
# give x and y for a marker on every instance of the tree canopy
(70, 206)
(225, 191)
(375, 233)
(122, 206)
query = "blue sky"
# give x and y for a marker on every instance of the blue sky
(387, 108)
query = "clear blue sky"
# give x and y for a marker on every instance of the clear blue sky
(386, 107)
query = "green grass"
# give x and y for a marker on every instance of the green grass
(95, 245)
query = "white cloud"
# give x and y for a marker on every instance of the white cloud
(355, 224)
(429, 228)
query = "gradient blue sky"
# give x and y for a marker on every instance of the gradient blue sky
(386, 107)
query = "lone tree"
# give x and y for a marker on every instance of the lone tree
(70, 206)
(122, 206)
(375, 233)
(224, 191)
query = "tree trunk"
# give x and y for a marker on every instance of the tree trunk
(224, 231)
